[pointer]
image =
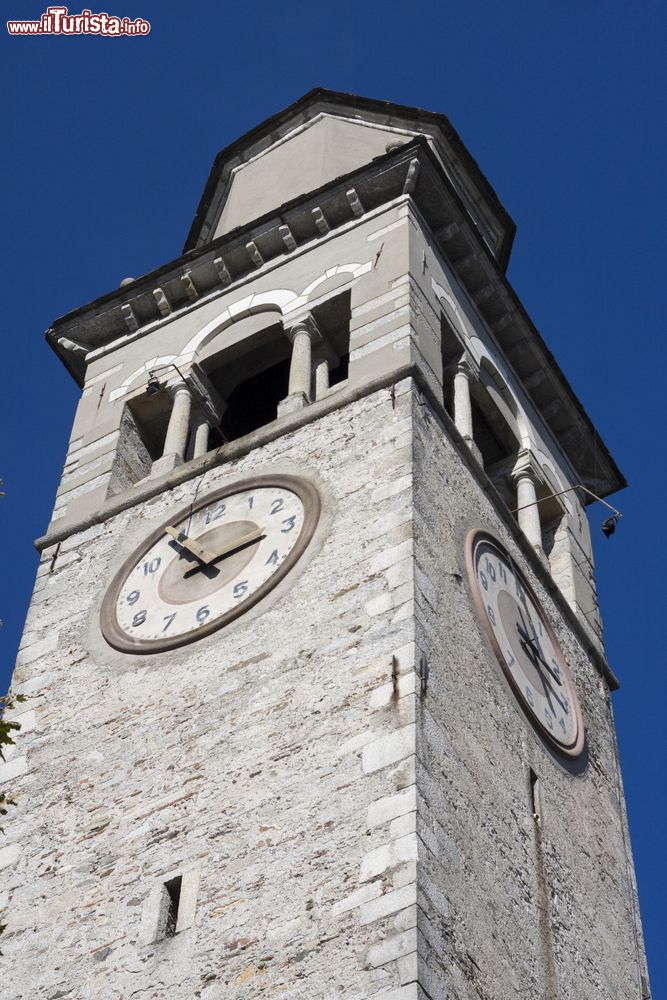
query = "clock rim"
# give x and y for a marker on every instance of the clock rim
(575, 748)
(118, 639)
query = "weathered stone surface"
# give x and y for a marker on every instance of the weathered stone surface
(341, 777)
(224, 758)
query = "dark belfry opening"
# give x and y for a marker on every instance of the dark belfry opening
(496, 442)
(493, 438)
(493, 435)
(252, 377)
(451, 352)
(151, 419)
(254, 403)
(140, 442)
(552, 517)
(333, 319)
(173, 891)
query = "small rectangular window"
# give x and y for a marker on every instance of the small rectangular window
(172, 891)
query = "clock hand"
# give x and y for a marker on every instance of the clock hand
(537, 652)
(238, 543)
(538, 659)
(532, 627)
(197, 550)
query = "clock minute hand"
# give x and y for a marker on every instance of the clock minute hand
(536, 652)
(239, 543)
(197, 550)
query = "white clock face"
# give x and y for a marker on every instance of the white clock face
(525, 645)
(208, 564)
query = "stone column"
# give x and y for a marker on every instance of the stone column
(463, 407)
(201, 433)
(300, 365)
(176, 439)
(528, 510)
(303, 334)
(179, 422)
(321, 377)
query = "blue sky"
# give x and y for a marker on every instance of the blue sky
(108, 143)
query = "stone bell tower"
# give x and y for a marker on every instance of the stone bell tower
(317, 698)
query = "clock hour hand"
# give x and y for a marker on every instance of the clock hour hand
(197, 550)
(234, 546)
(529, 639)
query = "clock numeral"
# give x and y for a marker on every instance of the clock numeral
(215, 512)
(251, 501)
(490, 569)
(240, 588)
(549, 719)
(132, 597)
(483, 580)
(556, 670)
(563, 726)
(139, 618)
(273, 558)
(501, 570)
(277, 505)
(529, 697)
(490, 612)
(509, 656)
(152, 566)
(202, 614)
(290, 522)
(168, 619)
(520, 593)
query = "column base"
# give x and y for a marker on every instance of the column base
(296, 401)
(165, 464)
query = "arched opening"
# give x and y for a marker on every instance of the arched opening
(248, 366)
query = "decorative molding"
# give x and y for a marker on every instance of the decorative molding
(287, 238)
(320, 221)
(131, 321)
(223, 273)
(254, 254)
(70, 345)
(162, 302)
(412, 177)
(189, 286)
(355, 203)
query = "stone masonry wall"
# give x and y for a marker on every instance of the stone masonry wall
(509, 909)
(271, 764)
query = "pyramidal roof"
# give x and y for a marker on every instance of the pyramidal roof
(326, 135)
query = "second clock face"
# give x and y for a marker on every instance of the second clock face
(525, 644)
(209, 564)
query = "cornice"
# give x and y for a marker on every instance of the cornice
(411, 171)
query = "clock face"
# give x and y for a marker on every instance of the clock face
(209, 563)
(524, 643)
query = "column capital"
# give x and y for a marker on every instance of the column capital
(465, 368)
(178, 385)
(526, 467)
(302, 323)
